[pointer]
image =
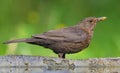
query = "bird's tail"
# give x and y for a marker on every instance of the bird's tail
(18, 40)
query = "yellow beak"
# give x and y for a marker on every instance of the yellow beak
(102, 18)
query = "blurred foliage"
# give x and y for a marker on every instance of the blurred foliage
(23, 18)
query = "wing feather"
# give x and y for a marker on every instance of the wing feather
(71, 34)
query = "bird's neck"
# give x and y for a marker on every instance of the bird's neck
(89, 32)
(87, 26)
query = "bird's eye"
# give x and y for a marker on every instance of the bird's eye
(90, 21)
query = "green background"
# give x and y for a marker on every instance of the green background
(23, 18)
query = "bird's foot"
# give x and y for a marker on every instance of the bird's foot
(61, 55)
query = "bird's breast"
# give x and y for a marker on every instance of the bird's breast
(71, 47)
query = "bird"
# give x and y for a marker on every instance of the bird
(66, 40)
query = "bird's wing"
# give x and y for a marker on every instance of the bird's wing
(66, 34)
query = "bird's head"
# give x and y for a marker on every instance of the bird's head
(90, 22)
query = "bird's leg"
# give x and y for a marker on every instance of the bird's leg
(61, 55)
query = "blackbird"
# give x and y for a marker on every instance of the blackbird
(67, 40)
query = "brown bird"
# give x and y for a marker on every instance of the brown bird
(67, 40)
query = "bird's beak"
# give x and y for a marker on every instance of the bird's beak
(101, 18)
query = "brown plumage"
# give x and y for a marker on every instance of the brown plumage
(67, 40)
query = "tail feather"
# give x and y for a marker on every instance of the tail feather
(17, 40)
